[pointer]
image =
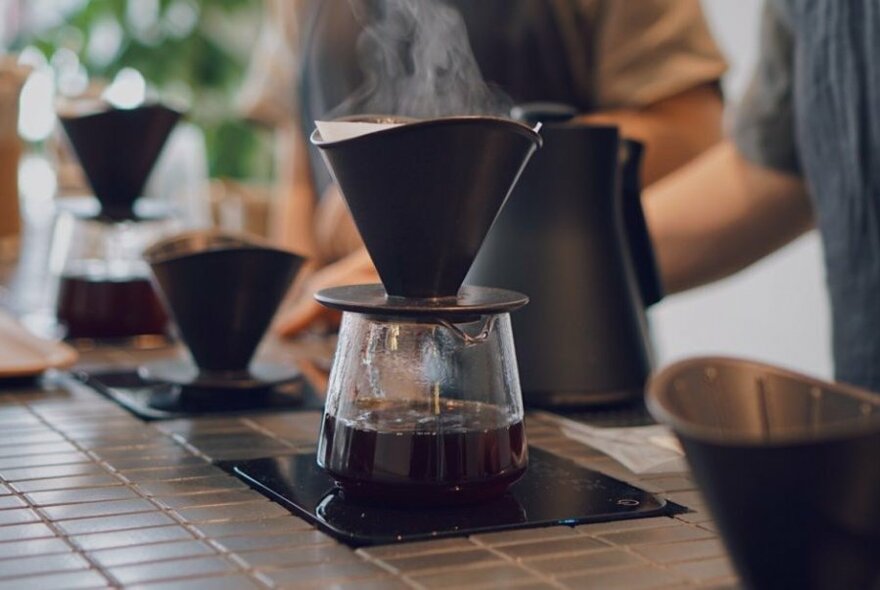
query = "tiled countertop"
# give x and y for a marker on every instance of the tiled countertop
(93, 497)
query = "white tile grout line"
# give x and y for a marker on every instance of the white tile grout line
(51, 524)
(256, 426)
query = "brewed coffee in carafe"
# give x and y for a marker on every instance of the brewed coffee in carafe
(104, 288)
(431, 413)
(424, 405)
(465, 452)
(103, 284)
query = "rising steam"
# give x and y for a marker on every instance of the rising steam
(417, 62)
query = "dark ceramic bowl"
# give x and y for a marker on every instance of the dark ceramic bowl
(789, 466)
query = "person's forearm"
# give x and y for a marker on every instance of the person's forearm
(336, 235)
(719, 214)
(675, 130)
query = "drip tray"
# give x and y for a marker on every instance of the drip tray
(554, 491)
(152, 400)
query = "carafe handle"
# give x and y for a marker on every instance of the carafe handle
(635, 228)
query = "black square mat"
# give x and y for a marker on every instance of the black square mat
(553, 491)
(161, 401)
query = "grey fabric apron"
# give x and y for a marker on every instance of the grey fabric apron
(837, 122)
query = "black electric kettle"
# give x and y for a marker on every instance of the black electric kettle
(573, 236)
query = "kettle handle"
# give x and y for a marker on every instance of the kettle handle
(635, 227)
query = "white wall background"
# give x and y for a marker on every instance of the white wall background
(777, 310)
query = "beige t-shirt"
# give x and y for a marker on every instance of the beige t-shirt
(652, 49)
(617, 53)
(268, 93)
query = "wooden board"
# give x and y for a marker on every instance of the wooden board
(23, 354)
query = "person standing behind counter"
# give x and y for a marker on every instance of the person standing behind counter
(805, 151)
(650, 67)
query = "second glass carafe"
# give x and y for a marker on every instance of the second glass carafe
(102, 284)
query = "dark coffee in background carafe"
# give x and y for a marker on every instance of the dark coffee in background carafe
(391, 452)
(98, 305)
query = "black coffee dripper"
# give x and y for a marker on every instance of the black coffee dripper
(423, 196)
(222, 291)
(117, 149)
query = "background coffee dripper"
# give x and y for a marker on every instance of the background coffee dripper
(424, 405)
(222, 290)
(104, 290)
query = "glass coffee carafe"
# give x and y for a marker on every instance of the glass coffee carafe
(424, 410)
(103, 284)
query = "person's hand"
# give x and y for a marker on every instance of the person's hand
(317, 376)
(336, 235)
(354, 269)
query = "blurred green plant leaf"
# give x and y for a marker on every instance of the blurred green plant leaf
(210, 69)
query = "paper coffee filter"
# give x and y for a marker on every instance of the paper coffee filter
(342, 130)
(641, 449)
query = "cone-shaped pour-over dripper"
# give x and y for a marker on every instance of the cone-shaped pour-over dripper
(424, 195)
(117, 149)
(749, 428)
(223, 290)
